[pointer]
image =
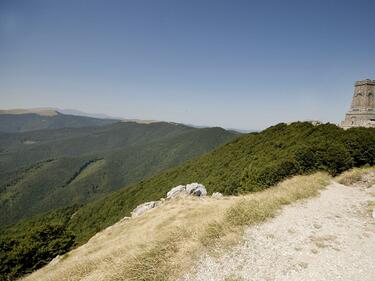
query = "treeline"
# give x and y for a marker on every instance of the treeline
(32, 244)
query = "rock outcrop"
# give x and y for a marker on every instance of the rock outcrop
(176, 191)
(192, 189)
(196, 189)
(143, 208)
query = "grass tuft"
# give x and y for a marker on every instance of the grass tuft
(251, 211)
(356, 175)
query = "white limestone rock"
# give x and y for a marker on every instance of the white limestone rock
(196, 189)
(143, 208)
(217, 195)
(176, 191)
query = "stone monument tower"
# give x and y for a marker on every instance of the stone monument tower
(362, 110)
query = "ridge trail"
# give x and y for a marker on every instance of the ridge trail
(329, 237)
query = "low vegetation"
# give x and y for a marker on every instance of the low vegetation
(356, 175)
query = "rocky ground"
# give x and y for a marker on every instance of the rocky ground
(330, 237)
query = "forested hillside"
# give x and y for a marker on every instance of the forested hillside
(49, 169)
(250, 163)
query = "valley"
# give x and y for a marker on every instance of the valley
(70, 166)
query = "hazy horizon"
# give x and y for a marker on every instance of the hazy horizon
(233, 64)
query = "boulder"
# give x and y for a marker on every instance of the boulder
(217, 195)
(176, 191)
(143, 208)
(373, 213)
(196, 189)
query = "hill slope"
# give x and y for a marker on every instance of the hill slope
(237, 238)
(49, 169)
(23, 121)
(250, 163)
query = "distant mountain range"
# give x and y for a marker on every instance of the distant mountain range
(44, 123)
(50, 111)
(21, 120)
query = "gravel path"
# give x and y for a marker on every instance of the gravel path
(330, 237)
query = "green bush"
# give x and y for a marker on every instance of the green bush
(32, 244)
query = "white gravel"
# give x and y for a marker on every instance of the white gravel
(330, 237)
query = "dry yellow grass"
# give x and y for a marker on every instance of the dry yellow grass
(356, 175)
(164, 242)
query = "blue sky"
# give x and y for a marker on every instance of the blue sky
(237, 64)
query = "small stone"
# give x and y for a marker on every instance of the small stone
(217, 195)
(143, 208)
(317, 226)
(124, 219)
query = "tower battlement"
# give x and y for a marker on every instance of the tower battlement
(365, 82)
(362, 110)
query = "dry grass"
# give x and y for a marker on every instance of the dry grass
(258, 207)
(356, 175)
(165, 242)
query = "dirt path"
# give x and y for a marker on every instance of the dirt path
(330, 237)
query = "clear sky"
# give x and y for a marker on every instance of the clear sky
(237, 64)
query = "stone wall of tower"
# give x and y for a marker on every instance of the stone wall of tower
(362, 110)
(363, 98)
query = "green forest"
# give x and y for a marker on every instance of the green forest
(73, 166)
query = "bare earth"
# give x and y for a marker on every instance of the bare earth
(330, 237)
